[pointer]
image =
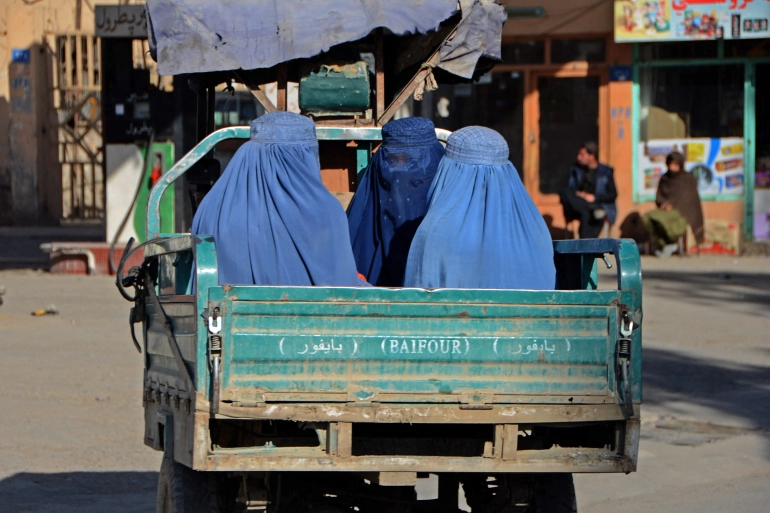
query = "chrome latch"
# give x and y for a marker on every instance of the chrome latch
(215, 356)
(215, 322)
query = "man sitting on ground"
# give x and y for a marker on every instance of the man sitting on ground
(590, 194)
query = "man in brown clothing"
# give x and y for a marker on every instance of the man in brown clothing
(678, 206)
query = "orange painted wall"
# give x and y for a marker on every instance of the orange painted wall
(621, 149)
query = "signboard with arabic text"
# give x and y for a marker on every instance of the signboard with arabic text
(121, 21)
(690, 20)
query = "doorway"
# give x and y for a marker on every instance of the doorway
(495, 101)
(569, 117)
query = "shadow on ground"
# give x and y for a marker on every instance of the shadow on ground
(713, 289)
(82, 492)
(738, 390)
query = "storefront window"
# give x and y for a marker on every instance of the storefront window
(747, 48)
(679, 50)
(524, 52)
(697, 110)
(572, 50)
(692, 101)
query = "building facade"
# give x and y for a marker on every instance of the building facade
(50, 112)
(640, 78)
(565, 80)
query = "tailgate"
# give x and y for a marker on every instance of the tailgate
(382, 345)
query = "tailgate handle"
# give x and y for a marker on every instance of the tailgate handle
(475, 406)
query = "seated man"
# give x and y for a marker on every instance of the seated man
(273, 221)
(482, 229)
(392, 199)
(678, 206)
(590, 194)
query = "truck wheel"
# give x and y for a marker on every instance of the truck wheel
(553, 493)
(520, 493)
(183, 490)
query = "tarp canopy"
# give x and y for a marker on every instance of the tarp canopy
(196, 36)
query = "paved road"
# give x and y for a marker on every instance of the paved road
(71, 424)
(706, 417)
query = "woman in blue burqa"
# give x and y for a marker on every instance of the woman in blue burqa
(273, 221)
(391, 199)
(482, 229)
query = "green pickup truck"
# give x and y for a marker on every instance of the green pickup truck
(316, 399)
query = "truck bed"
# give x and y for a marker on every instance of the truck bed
(374, 379)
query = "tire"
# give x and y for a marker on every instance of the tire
(520, 493)
(553, 493)
(183, 490)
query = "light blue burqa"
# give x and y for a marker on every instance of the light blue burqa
(273, 221)
(482, 229)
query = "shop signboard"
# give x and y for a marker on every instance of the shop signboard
(121, 21)
(717, 163)
(688, 20)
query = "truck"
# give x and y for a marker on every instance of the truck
(290, 399)
(370, 399)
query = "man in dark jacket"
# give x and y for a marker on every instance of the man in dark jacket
(590, 194)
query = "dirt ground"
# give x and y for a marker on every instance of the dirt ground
(71, 424)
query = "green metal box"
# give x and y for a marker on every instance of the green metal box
(335, 89)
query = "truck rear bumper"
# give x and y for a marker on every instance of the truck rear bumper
(554, 460)
(430, 414)
(342, 443)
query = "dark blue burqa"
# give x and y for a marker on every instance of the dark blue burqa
(482, 229)
(391, 199)
(273, 221)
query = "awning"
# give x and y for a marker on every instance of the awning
(196, 36)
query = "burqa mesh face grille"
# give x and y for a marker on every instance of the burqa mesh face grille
(391, 199)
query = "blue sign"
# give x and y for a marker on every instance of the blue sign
(620, 73)
(19, 55)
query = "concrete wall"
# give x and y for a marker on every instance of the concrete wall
(30, 175)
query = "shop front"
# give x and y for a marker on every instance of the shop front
(697, 74)
(642, 79)
(563, 81)
(548, 97)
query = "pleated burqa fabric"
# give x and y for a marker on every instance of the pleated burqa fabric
(392, 199)
(482, 229)
(273, 221)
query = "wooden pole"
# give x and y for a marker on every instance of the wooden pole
(282, 83)
(78, 13)
(379, 66)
